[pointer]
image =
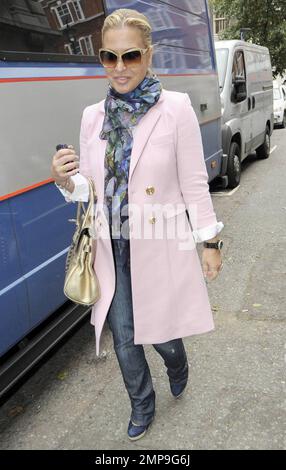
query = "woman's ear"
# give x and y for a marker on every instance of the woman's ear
(150, 56)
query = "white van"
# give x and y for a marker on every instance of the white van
(279, 104)
(246, 89)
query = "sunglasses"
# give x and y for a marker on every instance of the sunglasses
(131, 57)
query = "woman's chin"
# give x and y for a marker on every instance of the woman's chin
(125, 87)
(122, 87)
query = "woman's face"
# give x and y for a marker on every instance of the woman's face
(125, 79)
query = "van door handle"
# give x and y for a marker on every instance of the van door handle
(204, 106)
(253, 102)
(249, 104)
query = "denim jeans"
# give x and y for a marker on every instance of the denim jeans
(131, 357)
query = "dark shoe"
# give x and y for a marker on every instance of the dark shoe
(135, 431)
(177, 389)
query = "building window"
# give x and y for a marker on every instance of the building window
(78, 9)
(73, 48)
(76, 49)
(86, 45)
(89, 45)
(68, 15)
(64, 14)
(68, 49)
(220, 25)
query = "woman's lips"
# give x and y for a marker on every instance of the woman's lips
(121, 79)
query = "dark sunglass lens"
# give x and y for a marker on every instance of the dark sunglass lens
(108, 59)
(133, 57)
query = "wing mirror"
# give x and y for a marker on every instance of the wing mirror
(239, 92)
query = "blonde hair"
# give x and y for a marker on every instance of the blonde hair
(133, 19)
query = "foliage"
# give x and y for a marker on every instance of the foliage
(267, 20)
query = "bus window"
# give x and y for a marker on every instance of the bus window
(181, 34)
(51, 30)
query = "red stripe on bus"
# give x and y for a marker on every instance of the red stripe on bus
(186, 74)
(24, 190)
(46, 79)
(49, 79)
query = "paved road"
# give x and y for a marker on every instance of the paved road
(236, 396)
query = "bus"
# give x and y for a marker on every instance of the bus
(49, 72)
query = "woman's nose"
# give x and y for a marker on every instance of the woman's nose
(120, 65)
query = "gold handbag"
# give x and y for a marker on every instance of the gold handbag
(81, 283)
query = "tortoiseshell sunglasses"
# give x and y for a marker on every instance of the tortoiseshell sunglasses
(130, 57)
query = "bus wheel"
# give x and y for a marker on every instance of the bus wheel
(263, 151)
(234, 165)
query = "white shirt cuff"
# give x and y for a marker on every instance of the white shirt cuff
(207, 233)
(80, 192)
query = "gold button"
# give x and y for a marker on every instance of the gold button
(150, 190)
(152, 220)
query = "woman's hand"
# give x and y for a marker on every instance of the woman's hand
(65, 163)
(212, 263)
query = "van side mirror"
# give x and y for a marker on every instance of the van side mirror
(239, 92)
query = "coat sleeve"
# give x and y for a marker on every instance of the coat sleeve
(81, 190)
(193, 175)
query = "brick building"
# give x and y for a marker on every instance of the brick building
(51, 26)
(78, 21)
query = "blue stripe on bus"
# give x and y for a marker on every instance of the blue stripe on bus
(55, 70)
(38, 71)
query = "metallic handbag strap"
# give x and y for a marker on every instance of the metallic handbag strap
(88, 213)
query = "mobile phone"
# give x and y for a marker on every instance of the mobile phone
(61, 146)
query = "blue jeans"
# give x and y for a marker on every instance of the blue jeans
(131, 357)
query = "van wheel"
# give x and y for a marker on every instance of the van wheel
(234, 165)
(283, 125)
(263, 151)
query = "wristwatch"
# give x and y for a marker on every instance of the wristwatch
(218, 245)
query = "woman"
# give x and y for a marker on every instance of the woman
(142, 146)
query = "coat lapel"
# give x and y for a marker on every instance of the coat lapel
(143, 132)
(99, 151)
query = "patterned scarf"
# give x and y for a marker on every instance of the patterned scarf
(122, 112)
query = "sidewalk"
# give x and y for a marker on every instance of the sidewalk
(235, 398)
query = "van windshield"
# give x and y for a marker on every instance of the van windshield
(277, 94)
(221, 57)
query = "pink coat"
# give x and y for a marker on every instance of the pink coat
(169, 294)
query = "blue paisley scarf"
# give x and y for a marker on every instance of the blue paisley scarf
(122, 112)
